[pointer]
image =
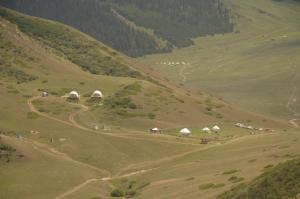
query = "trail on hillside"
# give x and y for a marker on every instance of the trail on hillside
(75, 189)
(89, 181)
(44, 148)
(72, 122)
(182, 74)
(293, 99)
(173, 157)
(294, 122)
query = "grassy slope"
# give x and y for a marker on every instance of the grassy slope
(125, 147)
(259, 63)
(246, 158)
(97, 59)
(105, 152)
(279, 182)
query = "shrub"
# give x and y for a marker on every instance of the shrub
(210, 186)
(130, 194)
(235, 179)
(218, 185)
(117, 193)
(4, 147)
(151, 116)
(280, 182)
(230, 172)
(191, 178)
(208, 108)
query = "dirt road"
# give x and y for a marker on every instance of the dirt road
(72, 122)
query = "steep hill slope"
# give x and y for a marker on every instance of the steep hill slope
(135, 28)
(256, 67)
(97, 58)
(283, 181)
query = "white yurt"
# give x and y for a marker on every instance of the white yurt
(97, 94)
(73, 95)
(216, 129)
(206, 130)
(185, 131)
(45, 94)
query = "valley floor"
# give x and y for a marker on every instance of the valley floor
(179, 174)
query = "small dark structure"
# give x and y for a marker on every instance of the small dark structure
(204, 141)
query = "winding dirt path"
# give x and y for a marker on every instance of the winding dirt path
(182, 74)
(154, 163)
(44, 148)
(89, 181)
(72, 122)
(294, 123)
(77, 188)
(293, 99)
(33, 109)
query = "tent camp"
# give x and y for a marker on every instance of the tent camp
(73, 95)
(185, 131)
(97, 94)
(216, 129)
(206, 130)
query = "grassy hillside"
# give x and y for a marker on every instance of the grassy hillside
(256, 67)
(64, 155)
(283, 181)
(207, 173)
(135, 28)
(85, 52)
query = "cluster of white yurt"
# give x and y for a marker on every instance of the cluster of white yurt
(75, 95)
(185, 131)
(214, 129)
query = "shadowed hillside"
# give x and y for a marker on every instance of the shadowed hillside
(85, 52)
(135, 28)
(283, 181)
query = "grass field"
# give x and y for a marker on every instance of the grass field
(64, 156)
(256, 67)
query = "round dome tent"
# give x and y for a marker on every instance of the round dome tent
(73, 95)
(185, 131)
(216, 129)
(206, 130)
(97, 94)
